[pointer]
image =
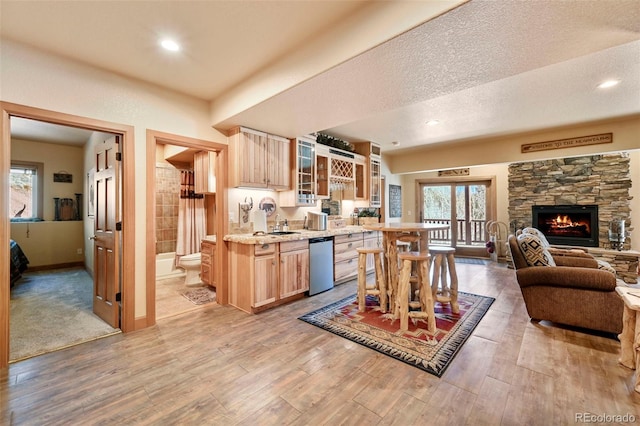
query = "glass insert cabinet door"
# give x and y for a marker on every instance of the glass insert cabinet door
(375, 196)
(306, 173)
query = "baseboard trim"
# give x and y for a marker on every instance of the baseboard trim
(56, 266)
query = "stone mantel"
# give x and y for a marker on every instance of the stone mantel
(625, 262)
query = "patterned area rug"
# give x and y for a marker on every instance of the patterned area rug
(200, 295)
(431, 352)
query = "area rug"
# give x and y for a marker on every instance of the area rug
(200, 296)
(431, 352)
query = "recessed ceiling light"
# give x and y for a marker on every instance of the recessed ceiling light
(170, 45)
(433, 123)
(608, 83)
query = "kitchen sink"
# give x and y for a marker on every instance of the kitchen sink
(283, 232)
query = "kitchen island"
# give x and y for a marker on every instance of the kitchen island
(268, 270)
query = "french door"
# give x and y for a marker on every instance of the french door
(466, 205)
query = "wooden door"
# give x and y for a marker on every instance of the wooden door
(106, 281)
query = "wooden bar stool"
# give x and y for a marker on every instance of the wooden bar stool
(407, 242)
(425, 303)
(378, 288)
(441, 257)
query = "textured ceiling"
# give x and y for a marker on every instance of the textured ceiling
(483, 68)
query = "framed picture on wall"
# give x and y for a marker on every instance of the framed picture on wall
(395, 200)
(91, 193)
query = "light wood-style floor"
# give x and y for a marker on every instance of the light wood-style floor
(219, 366)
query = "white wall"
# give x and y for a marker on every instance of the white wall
(33, 78)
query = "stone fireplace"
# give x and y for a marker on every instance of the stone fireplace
(601, 180)
(597, 180)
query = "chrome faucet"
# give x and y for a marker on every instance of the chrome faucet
(276, 227)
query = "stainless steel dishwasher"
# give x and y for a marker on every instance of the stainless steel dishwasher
(320, 264)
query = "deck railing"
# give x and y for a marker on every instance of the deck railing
(469, 233)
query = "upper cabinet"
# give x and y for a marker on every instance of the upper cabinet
(259, 160)
(373, 174)
(204, 167)
(303, 175)
(323, 165)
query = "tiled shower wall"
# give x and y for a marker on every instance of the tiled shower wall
(167, 196)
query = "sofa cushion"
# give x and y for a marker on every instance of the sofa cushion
(537, 233)
(534, 250)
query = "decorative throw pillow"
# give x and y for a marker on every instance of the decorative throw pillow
(605, 266)
(537, 233)
(534, 250)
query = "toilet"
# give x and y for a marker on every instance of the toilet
(191, 265)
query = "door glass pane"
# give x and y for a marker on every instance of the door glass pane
(478, 213)
(437, 208)
(461, 214)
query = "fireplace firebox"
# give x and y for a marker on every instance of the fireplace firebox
(571, 225)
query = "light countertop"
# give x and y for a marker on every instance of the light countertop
(302, 234)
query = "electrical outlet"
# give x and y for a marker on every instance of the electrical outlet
(232, 217)
(408, 212)
(79, 251)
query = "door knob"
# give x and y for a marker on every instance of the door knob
(92, 238)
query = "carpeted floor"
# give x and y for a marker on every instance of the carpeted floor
(51, 310)
(429, 351)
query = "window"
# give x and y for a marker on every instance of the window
(26, 182)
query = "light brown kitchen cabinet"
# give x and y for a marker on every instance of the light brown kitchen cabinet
(373, 174)
(294, 268)
(208, 256)
(259, 160)
(204, 171)
(323, 165)
(360, 179)
(262, 276)
(265, 288)
(345, 256)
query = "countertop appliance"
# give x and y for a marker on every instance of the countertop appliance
(320, 264)
(317, 221)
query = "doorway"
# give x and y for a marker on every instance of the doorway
(127, 197)
(466, 205)
(217, 213)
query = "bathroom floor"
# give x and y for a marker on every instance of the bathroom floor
(169, 298)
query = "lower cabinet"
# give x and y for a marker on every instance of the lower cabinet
(265, 288)
(345, 256)
(265, 275)
(208, 253)
(294, 268)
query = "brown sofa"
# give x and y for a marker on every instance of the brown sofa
(574, 292)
